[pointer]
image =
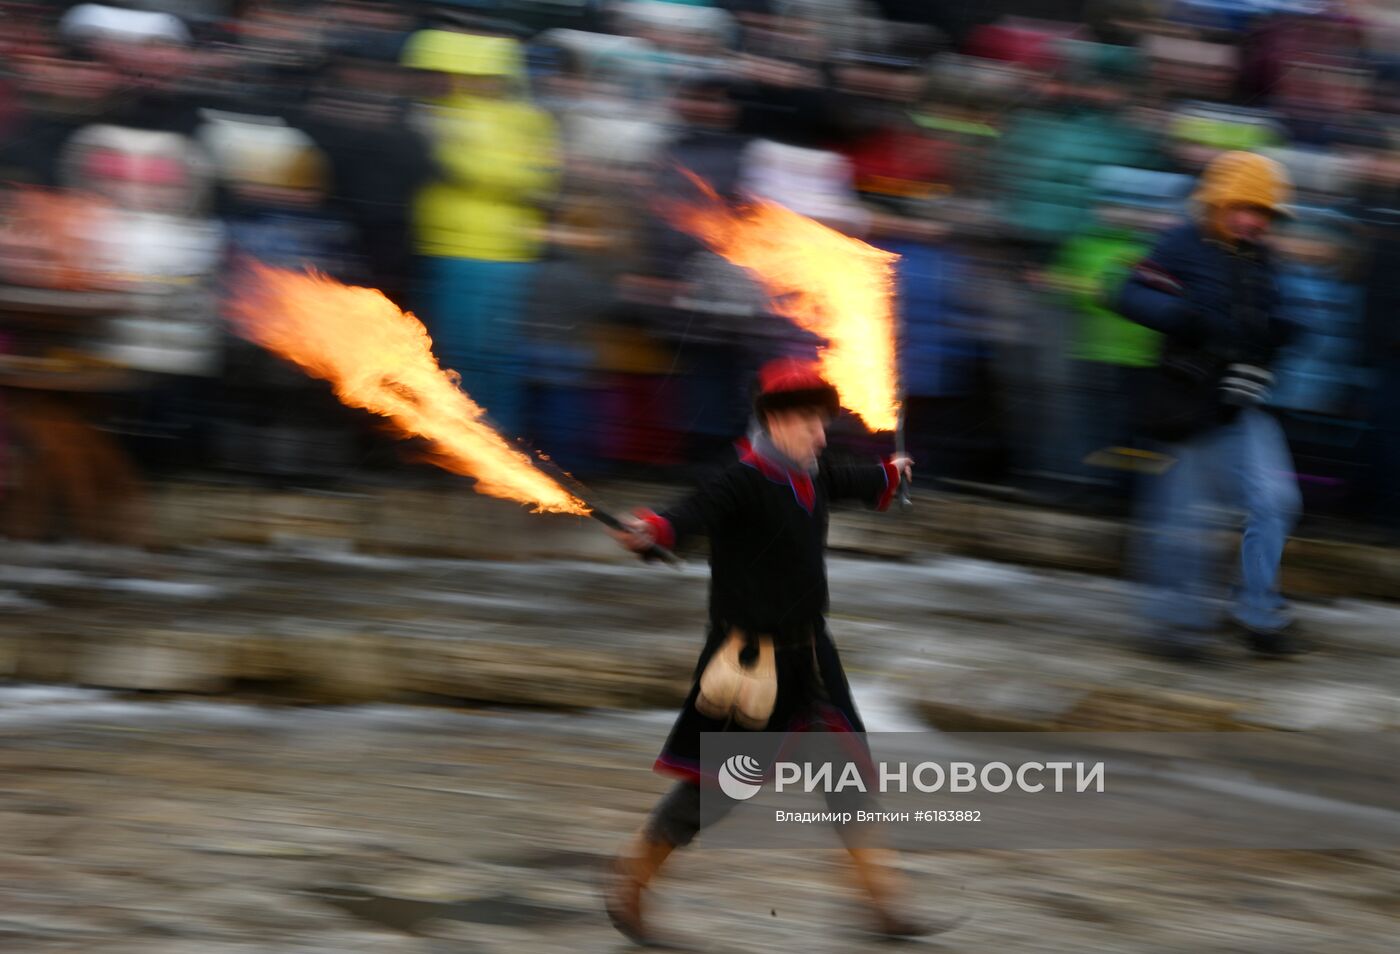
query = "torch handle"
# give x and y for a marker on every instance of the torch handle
(653, 552)
(905, 502)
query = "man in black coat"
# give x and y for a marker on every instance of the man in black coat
(766, 518)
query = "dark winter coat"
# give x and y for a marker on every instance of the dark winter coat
(767, 529)
(376, 171)
(1379, 212)
(1217, 306)
(712, 155)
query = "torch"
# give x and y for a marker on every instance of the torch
(379, 358)
(606, 518)
(825, 282)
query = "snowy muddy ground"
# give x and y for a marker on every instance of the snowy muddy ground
(149, 824)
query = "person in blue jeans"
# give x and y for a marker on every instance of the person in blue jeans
(1210, 288)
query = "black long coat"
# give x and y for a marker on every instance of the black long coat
(767, 529)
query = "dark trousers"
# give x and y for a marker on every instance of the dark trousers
(1385, 460)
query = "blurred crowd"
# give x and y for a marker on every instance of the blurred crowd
(502, 168)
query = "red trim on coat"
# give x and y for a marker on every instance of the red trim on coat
(802, 487)
(1155, 276)
(891, 486)
(667, 766)
(661, 529)
(825, 715)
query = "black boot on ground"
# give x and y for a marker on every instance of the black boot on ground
(1272, 644)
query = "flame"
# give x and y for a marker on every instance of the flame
(828, 283)
(380, 358)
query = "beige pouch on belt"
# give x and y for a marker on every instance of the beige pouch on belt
(730, 687)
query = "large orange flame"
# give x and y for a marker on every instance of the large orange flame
(380, 358)
(830, 284)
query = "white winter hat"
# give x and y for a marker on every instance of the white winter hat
(95, 21)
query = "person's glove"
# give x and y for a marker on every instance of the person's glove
(1246, 385)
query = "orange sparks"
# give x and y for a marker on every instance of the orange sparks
(379, 358)
(830, 284)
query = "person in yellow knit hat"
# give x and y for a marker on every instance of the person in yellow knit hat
(1210, 288)
(479, 223)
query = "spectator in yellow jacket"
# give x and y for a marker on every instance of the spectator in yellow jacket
(479, 224)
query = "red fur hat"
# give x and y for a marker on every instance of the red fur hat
(792, 382)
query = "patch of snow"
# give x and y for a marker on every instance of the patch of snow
(979, 572)
(172, 589)
(46, 695)
(481, 600)
(882, 709)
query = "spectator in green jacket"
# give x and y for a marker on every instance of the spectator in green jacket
(1110, 354)
(1049, 152)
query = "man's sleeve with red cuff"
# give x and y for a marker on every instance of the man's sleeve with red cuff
(891, 486)
(661, 530)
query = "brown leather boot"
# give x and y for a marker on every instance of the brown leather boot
(628, 877)
(880, 880)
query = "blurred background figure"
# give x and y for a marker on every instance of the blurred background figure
(708, 313)
(275, 423)
(1075, 121)
(1323, 384)
(52, 91)
(1050, 150)
(1378, 209)
(277, 184)
(1110, 356)
(156, 241)
(479, 223)
(152, 54)
(357, 115)
(65, 476)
